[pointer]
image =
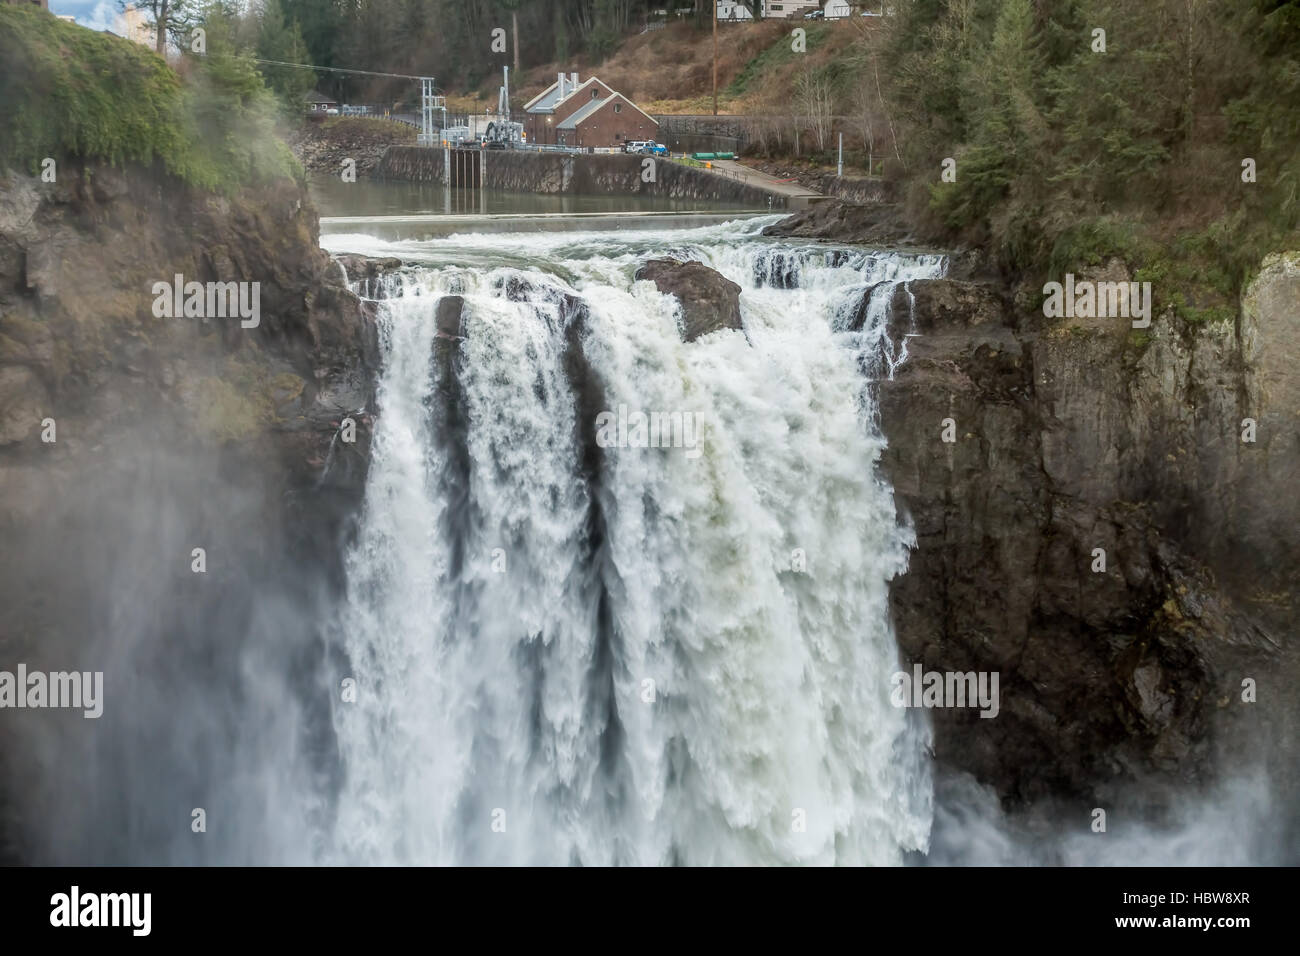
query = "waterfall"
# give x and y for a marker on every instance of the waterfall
(566, 652)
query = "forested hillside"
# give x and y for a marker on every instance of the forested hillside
(1170, 139)
(452, 39)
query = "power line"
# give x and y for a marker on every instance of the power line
(337, 69)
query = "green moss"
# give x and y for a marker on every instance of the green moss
(1188, 275)
(1093, 242)
(69, 92)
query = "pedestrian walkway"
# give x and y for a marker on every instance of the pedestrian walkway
(797, 196)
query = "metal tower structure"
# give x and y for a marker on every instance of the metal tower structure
(429, 102)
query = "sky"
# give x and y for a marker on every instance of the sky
(96, 14)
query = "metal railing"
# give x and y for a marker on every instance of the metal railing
(377, 113)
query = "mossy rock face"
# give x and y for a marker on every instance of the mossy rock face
(225, 413)
(78, 270)
(23, 404)
(26, 341)
(1275, 271)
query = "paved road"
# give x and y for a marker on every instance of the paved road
(799, 195)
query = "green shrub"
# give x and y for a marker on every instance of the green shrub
(69, 92)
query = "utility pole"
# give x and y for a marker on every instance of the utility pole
(715, 56)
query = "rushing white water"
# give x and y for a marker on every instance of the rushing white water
(679, 655)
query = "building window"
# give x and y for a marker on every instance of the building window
(618, 107)
(595, 94)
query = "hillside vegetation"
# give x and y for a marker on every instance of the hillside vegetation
(1066, 154)
(671, 70)
(69, 92)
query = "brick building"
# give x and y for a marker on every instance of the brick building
(569, 113)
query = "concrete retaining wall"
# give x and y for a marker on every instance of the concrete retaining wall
(587, 174)
(732, 126)
(703, 133)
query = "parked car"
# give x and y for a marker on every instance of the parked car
(650, 148)
(634, 145)
(815, 15)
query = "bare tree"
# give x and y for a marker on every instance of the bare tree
(1196, 42)
(812, 96)
(869, 40)
(865, 121)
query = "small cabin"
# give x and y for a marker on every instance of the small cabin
(319, 104)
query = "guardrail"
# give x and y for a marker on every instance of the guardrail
(379, 112)
(573, 150)
(687, 160)
(727, 173)
(684, 158)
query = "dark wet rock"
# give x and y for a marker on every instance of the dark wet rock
(1068, 442)
(709, 300)
(880, 223)
(450, 316)
(360, 267)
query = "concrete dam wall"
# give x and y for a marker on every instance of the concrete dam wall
(587, 174)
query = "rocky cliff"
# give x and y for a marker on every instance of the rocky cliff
(1091, 524)
(171, 488)
(80, 342)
